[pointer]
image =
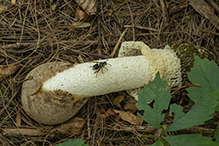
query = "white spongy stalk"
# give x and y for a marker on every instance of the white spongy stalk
(119, 74)
(163, 60)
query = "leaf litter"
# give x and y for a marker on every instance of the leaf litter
(44, 32)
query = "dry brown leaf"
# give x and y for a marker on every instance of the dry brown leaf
(18, 119)
(80, 59)
(81, 24)
(129, 117)
(53, 7)
(130, 107)
(80, 15)
(73, 126)
(89, 6)
(6, 71)
(3, 9)
(118, 100)
(130, 104)
(110, 112)
(13, 1)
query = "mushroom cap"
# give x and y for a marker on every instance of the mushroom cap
(44, 106)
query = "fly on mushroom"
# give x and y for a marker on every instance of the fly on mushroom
(99, 66)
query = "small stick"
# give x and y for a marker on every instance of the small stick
(204, 9)
(117, 44)
(214, 5)
(165, 12)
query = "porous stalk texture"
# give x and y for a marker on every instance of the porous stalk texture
(163, 60)
(119, 74)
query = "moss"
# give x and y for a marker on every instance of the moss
(186, 54)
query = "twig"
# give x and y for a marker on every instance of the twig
(118, 43)
(204, 9)
(88, 120)
(143, 128)
(165, 12)
(15, 45)
(198, 130)
(141, 27)
(128, 138)
(131, 14)
(177, 8)
(214, 5)
(158, 134)
(176, 90)
(22, 131)
(156, 4)
(80, 59)
(99, 36)
(21, 59)
(91, 54)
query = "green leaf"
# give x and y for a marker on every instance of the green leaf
(217, 108)
(178, 110)
(158, 143)
(154, 91)
(198, 114)
(216, 135)
(75, 142)
(205, 73)
(190, 140)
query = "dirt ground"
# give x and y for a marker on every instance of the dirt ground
(33, 32)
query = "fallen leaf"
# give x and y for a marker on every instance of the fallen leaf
(80, 24)
(80, 15)
(7, 71)
(129, 117)
(118, 100)
(130, 104)
(13, 1)
(3, 9)
(53, 7)
(73, 126)
(110, 112)
(130, 107)
(18, 119)
(80, 59)
(89, 6)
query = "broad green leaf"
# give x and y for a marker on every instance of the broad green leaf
(198, 114)
(154, 91)
(216, 135)
(158, 143)
(190, 140)
(75, 142)
(217, 108)
(178, 110)
(205, 73)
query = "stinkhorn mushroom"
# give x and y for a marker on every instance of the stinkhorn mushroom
(58, 90)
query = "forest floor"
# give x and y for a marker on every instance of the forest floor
(33, 32)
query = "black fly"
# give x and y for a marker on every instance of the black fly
(99, 66)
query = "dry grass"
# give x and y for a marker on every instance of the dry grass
(31, 33)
